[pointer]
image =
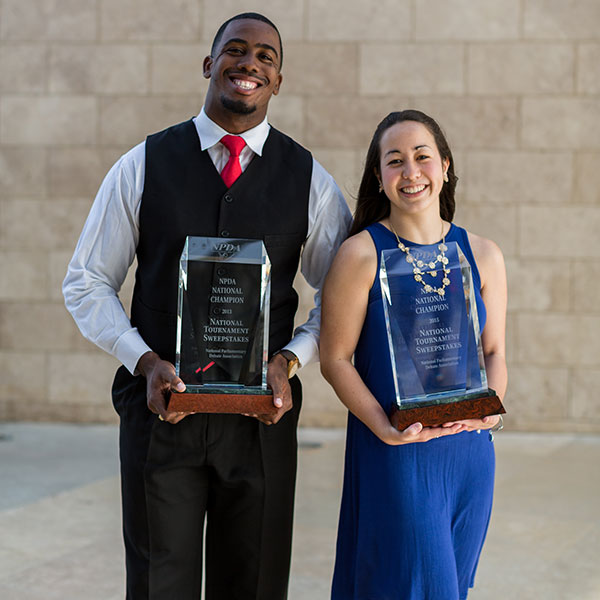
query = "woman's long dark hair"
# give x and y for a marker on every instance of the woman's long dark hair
(373, 205)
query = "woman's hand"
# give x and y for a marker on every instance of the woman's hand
(478, 424)
(417, 433)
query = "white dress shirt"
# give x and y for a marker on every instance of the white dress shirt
(107, 245)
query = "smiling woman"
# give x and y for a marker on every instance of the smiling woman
(372, 205)
(416, 503)
(411, 170)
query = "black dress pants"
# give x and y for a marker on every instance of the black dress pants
(227, 475)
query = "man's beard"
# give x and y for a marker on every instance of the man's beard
(237, 106)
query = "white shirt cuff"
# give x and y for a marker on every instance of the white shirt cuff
(305, 348)
(129, 348)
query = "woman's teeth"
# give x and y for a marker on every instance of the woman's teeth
(414, 189)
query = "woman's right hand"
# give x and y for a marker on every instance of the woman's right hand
(417, 433)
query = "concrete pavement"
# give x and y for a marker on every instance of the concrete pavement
(60, 534)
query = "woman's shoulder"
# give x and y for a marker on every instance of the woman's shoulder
(358, 248)
(483, 247)
(487, 253)
(356, 257)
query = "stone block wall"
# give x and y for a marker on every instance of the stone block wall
(515, 84)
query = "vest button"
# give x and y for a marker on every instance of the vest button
(228, 198)
(224, 233)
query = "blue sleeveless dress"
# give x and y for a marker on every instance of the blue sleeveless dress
(413, 518)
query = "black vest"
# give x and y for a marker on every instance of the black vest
(185, 195)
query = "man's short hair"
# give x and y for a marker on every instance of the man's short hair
(247, 15)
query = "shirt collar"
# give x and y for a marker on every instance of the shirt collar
(210, 133)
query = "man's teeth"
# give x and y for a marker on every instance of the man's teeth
(245, 85)
(415, 189)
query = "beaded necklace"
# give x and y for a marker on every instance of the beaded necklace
(418, 264)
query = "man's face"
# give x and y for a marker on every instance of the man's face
(244, 74)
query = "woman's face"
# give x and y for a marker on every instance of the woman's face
(411, 168)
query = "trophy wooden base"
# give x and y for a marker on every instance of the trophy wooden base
(437, 414)
(254, 404)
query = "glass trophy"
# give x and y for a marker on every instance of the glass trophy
(223, 327)
(434, 336)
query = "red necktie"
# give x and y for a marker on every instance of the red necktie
(232, 169)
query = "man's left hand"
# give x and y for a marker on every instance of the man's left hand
(277, 380)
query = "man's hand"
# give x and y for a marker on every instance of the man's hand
(161, 380)
(282, 394)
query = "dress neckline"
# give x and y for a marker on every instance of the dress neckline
(409, 242)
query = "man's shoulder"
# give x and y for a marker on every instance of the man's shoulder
(177, 130)
(287, 142)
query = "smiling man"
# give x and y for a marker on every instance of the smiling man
(232, 476)
(235, 90)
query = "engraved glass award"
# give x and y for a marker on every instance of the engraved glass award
(434, 336)
(223, 326)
